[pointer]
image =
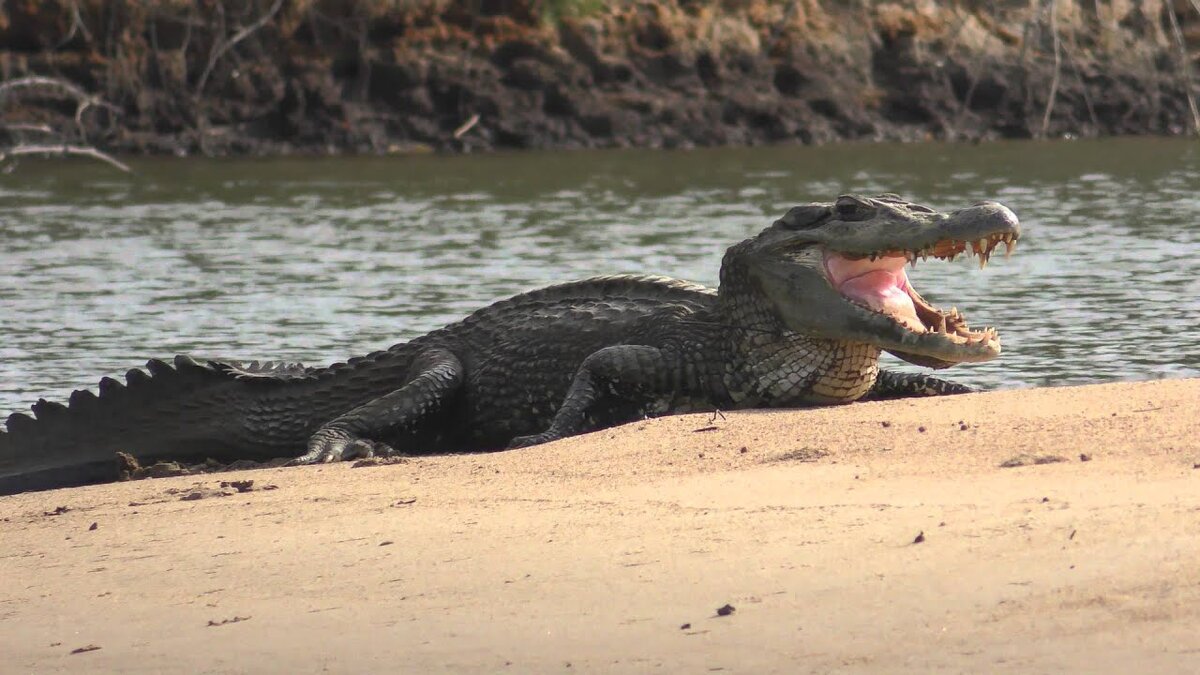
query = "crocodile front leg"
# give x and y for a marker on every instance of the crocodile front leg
(438, 375)
(892, 384)
(623, 368)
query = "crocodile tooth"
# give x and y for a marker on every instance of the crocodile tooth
(1009, 245)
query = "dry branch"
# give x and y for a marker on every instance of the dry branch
(1185, 72)
(466, 126)
(32, 128)
(77, 26)
(64, 89)
(67, 143)
(222, 48)
(64, 150)
(1057, 67)
(1083, 89)
(45, 84)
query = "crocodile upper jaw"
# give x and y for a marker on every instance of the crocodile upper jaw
(837, 271)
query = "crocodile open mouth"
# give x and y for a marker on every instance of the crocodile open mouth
(878, 282)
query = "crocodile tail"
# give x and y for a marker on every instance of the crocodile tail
(165, 409)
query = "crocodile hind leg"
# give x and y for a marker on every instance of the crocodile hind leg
(437, 375)
(892, 384)
(624, 368)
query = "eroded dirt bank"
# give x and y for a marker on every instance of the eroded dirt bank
(1044, 530)
(374, 76)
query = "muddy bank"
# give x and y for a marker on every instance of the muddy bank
(369, 76)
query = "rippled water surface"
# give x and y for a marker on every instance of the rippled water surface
(319, 259)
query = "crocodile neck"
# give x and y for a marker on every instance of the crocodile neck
(766, 361)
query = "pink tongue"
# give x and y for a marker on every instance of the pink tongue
(883, 290)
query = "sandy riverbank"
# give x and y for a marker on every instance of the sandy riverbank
(612, 552)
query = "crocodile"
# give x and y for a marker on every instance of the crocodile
(800, 317)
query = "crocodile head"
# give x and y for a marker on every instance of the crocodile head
(836, 271)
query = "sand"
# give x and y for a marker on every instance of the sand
(876, 537)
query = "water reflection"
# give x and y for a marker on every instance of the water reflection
(315, 260)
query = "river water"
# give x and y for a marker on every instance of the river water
(316, 260)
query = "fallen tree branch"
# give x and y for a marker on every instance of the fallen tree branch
(63, 89)
(66, 151)
(60, 140)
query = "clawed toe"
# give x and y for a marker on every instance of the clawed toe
(334, 445)
(532, 439)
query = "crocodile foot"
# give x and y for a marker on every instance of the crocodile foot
(336, 445)
(533, 439)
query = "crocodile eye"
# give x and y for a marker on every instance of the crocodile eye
(803, 217)
(847, 206)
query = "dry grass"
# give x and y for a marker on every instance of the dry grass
(727, 24)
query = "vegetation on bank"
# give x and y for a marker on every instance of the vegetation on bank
(261, 76)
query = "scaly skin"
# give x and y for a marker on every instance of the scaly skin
(783, 330)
